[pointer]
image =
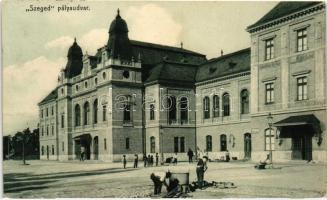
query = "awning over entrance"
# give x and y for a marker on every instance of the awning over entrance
(300, 124)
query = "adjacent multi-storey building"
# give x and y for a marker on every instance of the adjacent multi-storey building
(140, 98)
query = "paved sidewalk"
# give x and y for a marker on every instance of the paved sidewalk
(52, 179)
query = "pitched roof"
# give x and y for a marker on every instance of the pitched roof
(228, 64)
(282, 9)
(154, 53)
(53, 95)
(173, 71)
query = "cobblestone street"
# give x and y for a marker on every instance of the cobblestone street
(50, 179)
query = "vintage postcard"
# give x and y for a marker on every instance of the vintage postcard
(164, 99)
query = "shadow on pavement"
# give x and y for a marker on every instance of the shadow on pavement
(17, 182)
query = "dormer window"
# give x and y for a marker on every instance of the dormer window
(104, 75)
(76, 88)
(62, 91)
(85, 84)
(95, 81)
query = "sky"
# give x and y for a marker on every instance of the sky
(35, 44)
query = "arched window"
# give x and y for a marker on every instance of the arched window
(86, 113)
(184, 110)
(209, 143)
(95, 111)
(223, 142)
(269, 137)
(152, 144)
(172, 109)
(226, 104)
(244, 101)
(127, 109)
(77, 115)
(215, 107)
(151, 112)
(206, 107)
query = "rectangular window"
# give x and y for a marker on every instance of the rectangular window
(302, 88)
(175, 144)
(127, 143)
(62, 121)
(269, 92)
(53, 150)
(104, 113)
(63, 146)
(47, 112)
(269, 48)
(302, 40)
(41, 113)
(182, 144)
(52, 130)
(105, 143)
(52, 112)
(47, 130)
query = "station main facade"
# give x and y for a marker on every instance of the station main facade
(135, 97)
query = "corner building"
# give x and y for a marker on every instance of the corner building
(134, 97)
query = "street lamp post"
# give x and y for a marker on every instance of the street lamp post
(161, 143)
(270, 123)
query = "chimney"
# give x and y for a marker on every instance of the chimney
(181, 45)
(221, 52)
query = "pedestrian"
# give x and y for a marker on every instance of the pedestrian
(124, 161)
(144, 160)
(157, 159)
(227, 156)
(190, 155)
(159, 179)
(82, 153)
(149, 160)
(175, 159)
(152, 160)
(136, 160)
(200, 169)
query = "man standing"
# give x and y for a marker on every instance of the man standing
(157, 159)
(124, 161)
(136, 160)
(190, 155)
(144, 160)
(82, 153)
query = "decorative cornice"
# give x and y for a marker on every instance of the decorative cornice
(286, 18)
(246, 73)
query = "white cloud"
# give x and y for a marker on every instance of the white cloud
(62, 43)
(93, 40)
(89, 42)
(23, 87)
(152, 23)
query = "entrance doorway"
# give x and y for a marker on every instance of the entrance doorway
(96, 148)
(247, 146)
(83, 142)
(302, 148)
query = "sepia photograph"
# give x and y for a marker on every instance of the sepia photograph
(163, 99)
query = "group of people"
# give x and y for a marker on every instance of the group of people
(160, 178)
(148, 160)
